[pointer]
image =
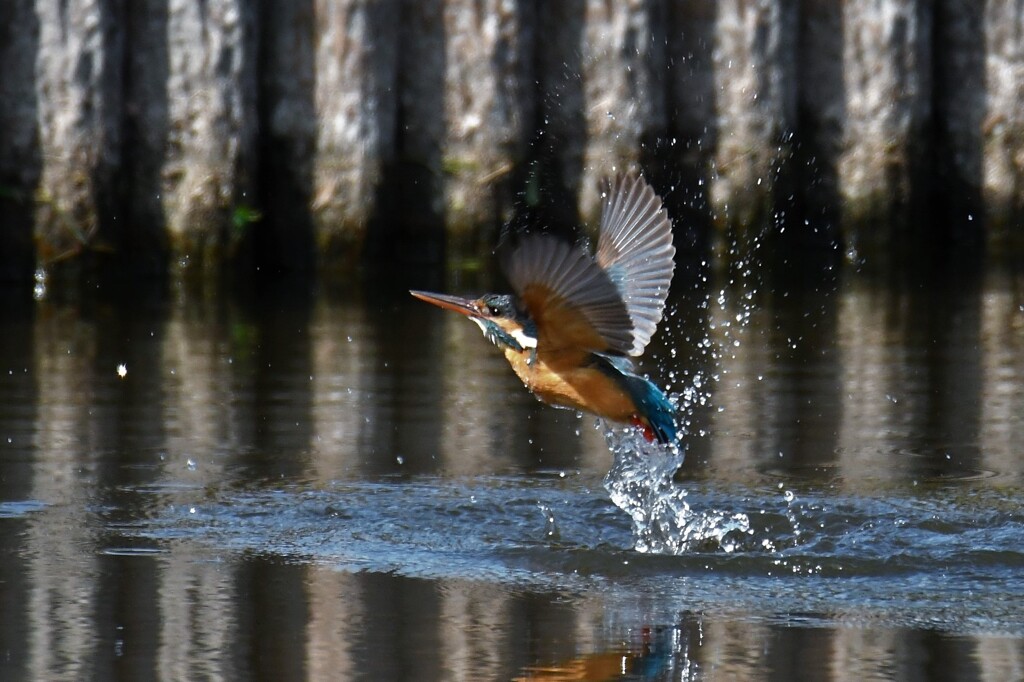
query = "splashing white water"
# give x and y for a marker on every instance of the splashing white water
(640, 483)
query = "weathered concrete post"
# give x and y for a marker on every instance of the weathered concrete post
(78, 81)
(489, 105)
(356, 108)
(887, 70)
(1004, 125)
(208, 172)
(196, 133)
(624, 106)
(754, 72)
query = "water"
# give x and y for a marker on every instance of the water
(357, 487)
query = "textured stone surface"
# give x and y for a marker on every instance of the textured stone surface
(78, 86)
(356, 114)
(887, 80)
(208, 172)
(754, 107)
(624, 110)
(1003, 127)
(173, 132)
(488, 111)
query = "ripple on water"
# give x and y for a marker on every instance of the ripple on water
(903, 558)
(15, 509)
(905, 555)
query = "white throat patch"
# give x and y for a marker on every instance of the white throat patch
(524, 339)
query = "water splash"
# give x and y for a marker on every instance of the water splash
(640, 483)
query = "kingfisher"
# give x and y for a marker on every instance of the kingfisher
(577, 319)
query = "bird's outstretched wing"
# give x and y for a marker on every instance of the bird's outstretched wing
(635, 250)
(573, 302)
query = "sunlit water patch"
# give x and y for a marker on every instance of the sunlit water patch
(940, 557)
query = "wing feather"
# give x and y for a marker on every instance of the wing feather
(573, 302)
(635, 249)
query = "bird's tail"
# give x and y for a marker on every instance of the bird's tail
(653, 406)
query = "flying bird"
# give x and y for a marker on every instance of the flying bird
(576, 319)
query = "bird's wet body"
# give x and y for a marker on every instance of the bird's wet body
(568, 378)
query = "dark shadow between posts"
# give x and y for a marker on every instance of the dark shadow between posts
(287, 141)
(805, 240)
(680, 169)
(20, 160)
(953, 234)
(550, 180)
(140, 234)
(407, 233)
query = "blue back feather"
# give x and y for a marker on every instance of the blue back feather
(650, 402)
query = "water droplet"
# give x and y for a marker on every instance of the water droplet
(39, 290)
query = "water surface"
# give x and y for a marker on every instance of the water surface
(355, 486)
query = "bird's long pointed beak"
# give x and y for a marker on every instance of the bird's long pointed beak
(459, 305)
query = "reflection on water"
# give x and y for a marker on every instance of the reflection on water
(361, 489)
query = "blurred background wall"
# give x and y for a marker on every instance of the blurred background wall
(222, 136)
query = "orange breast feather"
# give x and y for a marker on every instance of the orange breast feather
(565, 378)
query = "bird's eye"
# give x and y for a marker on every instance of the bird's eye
(493, 310)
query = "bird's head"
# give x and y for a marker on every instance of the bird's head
(499, 317)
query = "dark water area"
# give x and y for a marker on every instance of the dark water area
(354, 485)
